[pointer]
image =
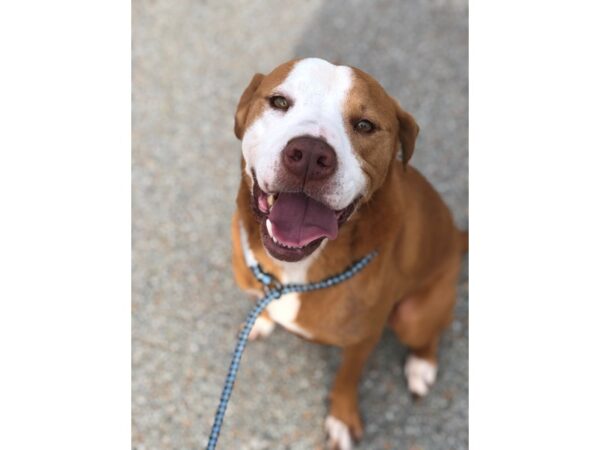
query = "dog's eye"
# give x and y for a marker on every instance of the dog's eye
(364, 126)
(279, 102)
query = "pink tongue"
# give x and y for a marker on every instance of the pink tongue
(298, 220)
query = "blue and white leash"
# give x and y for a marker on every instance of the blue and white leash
(273, 290)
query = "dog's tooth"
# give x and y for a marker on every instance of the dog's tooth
(270, 231)
(270, 200)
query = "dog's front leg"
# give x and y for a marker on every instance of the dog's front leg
(343, 422)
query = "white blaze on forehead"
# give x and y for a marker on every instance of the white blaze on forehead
(318, 91)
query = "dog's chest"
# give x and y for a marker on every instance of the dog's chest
(285, 310)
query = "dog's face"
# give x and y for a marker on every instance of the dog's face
(317, 141)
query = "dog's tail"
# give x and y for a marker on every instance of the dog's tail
(464, 240)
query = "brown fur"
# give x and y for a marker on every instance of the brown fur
(410, 285)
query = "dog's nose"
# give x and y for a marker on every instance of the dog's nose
(309, 158)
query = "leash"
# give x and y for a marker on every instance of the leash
(273, 290)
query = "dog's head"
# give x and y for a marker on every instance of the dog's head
(317, 140)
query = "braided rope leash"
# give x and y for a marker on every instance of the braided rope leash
(273, 290)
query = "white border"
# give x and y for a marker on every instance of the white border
(65, 244)
(65, 225)
(534, 225)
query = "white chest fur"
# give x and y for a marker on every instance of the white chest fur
(284, 310)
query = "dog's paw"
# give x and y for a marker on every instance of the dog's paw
(420, 375)
(262, 328)
(338, 434)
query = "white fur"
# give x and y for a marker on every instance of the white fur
(285, 309)
(338, 433)
(262, 328)
(420, 375)
(318, 91)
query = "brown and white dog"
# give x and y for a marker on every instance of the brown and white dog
(321, 187)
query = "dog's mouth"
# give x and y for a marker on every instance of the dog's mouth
(293, 224)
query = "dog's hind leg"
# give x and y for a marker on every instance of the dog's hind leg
(418, 321)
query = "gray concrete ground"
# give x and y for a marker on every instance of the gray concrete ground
(191, 61)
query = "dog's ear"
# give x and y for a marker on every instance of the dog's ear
(244, 104)
(408, 131)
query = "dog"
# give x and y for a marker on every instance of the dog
(325, 181)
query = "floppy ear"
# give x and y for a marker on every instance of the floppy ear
(408, 130)
(244, 104)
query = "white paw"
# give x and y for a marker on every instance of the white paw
(420, 375)
(338, 433)
(261, 329)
